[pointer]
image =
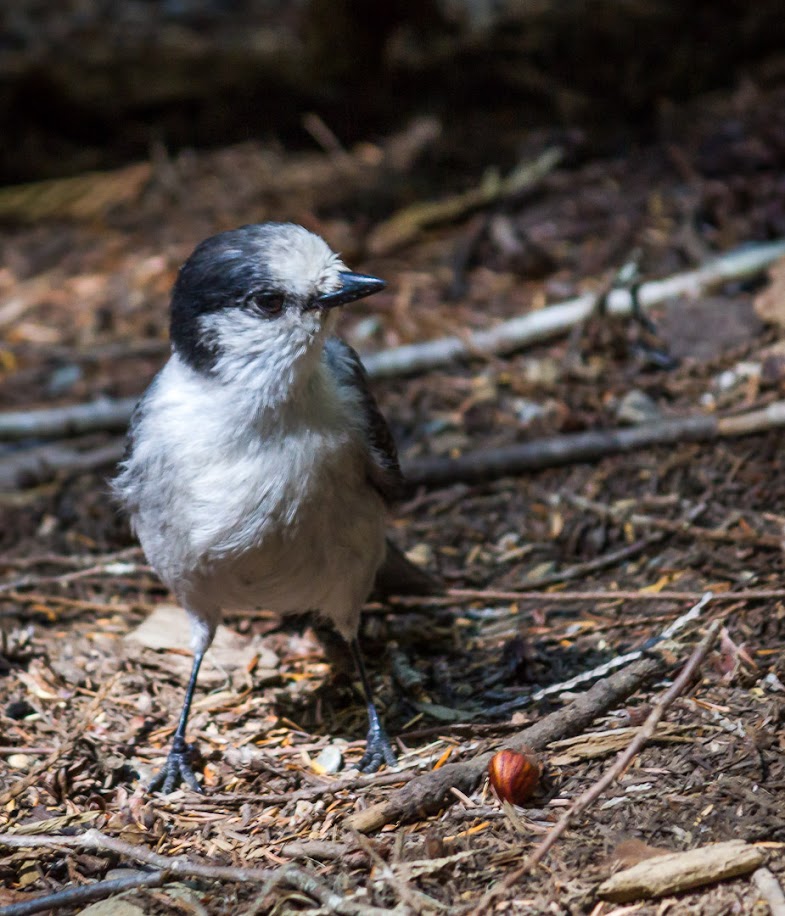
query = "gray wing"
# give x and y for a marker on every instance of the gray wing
(384, 471)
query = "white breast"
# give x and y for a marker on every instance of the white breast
(238, 509)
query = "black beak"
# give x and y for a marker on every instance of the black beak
(353, 286)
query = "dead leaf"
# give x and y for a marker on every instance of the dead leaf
(168, 629)
(631, 851)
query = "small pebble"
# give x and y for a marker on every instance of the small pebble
(19, 761)
(329, 761)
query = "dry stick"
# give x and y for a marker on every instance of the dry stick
(62, 422)
(181, 867)
(44, 766)
(587, 446)
(78, 561)
(78, 896)
(431, 792)
(106, 565)
(604, 669)
(465, 595)
(611, 558)
(642, 736)
(515, 334)
(555, 320)
(769, 888)
(30, 467)
(474, 466)
(489, 594)
(33, 776)
(101, 607)
(674, 526)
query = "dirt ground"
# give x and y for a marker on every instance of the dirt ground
(87, 710)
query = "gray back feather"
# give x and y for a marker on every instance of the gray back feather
(384, 470)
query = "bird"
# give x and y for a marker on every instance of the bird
(259, 467)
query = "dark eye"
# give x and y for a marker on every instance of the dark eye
(266, 304)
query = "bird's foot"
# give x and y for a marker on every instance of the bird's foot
(377, 749)
(176, 770)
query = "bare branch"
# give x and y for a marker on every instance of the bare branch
(431, 792)
(592, 445)
(545, 324)
(62, 422)
(621, 763)
(182, 867)
(78, 896)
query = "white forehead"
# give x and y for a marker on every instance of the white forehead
(303, 262)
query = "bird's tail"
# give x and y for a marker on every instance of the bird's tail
(399, 576)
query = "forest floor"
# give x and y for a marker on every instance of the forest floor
(89, 696)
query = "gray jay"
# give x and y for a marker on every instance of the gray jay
(259, 466)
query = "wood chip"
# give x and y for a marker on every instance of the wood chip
(681, 871)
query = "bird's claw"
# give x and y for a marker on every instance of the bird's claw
(377, 750)
(176, 770)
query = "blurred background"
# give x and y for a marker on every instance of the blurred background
(88, 84)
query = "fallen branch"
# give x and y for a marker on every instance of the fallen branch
(78, 896)
(62, 422)
(465, 595)
(431, 792)
(623, 760)
(624, 514)
(603, 561)
(182, 867)
(515, 334)
(620, 661)
(37, 465)
(111, 564)
(571, 448)
(682, 871)
(547, 323)
(33, 466)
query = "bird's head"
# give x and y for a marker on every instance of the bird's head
(261, 298)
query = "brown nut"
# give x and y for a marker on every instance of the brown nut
(514, 775)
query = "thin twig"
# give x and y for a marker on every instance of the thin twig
(610, 558)
(683, 527)
(490, 594)
(64, 422)
(592, 445)
(30, 467)
(602, 670)
(182, 867)
(515, 334)
(555, 320)
(407, 224)
(623, 760)
(106, 565)
(78, 896)
(102, 607)
(430, 792)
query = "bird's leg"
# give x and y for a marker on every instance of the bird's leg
(377, 744)
(649, 346)
(177, 768)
